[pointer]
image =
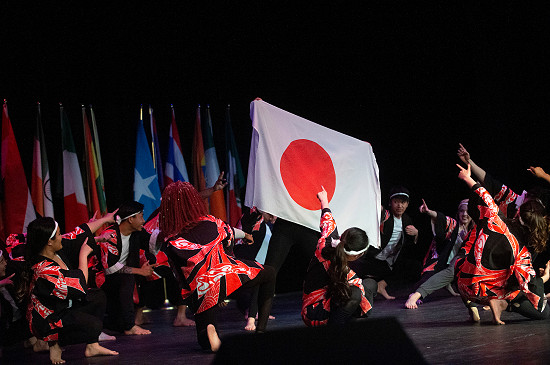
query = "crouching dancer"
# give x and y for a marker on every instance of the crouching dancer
(333, 293)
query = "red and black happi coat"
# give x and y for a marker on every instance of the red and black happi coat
(107, 254)
(53, 289)
(497, 265)
(203, 262)
(445, 231)
(315, 304)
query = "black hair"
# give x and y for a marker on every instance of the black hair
(353, 239)
(129, 208)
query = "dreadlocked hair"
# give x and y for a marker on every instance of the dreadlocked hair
(39, 232)
(532, 214)
(353, 239)
(180, 208)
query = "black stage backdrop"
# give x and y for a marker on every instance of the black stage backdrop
(412, 78)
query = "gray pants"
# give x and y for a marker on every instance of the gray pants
(437, 281)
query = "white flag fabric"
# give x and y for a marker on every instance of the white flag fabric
(291, 157)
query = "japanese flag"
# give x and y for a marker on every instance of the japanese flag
(291, 157)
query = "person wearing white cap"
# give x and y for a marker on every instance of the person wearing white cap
(391, 261)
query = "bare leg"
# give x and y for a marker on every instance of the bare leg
(95, 349)
(215, 342)
(497, 306)
(382, 290)
(450, 289)
(546, 273)
(55, 354)
(250, 324)
(140, 317)
(137, 330)
(181, 319)
(413, 301)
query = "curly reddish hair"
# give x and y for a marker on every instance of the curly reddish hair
(180, 208)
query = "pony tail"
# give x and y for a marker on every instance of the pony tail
(338, 288)
(23, 283)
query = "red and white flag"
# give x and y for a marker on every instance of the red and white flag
(291, 157)
(17, 204)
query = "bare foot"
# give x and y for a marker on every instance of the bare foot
(105, 337)
(497, 306)
(137, 330)
(382, 290)
(40, 346)
(29, 342)
(413, 301)
(215, 342)
(486, 307)
(55, 354)
(269, 318)
(183, 322)
(474, 314)
(250, 324)
(450, 289)
(95, 349)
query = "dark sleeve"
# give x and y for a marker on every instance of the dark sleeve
(72, 242)
(63, 284)
(144, 238)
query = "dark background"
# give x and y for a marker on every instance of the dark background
(412, 78)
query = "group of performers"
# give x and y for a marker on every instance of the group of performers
(58, 296)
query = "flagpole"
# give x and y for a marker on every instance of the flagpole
(85, 162)
(152, 138)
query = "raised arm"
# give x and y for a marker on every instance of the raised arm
(466, 175)
(464, 155)
(218, 185)
(425, 210)
(323, 198)
(95, 224)
(539, 172)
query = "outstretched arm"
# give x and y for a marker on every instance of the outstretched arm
(464, 155)
(539, 172)
(95, 224)
(424, 209)
(218, 185)
(466, 175)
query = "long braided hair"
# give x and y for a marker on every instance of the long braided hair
(180, 208)
(353, 239)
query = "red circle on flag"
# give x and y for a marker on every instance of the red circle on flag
(305, 166)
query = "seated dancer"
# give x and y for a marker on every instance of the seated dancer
(62, 311)
(117, 266)
(200, 249)
(393, 260)
(496, 267)
(333, 293)
(449, 235)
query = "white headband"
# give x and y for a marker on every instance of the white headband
(335, 243)
(119, 220)
(407, 195)
(54, 230)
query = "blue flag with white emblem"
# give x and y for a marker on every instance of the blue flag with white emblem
(146, 184)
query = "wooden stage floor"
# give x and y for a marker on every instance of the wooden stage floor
(439, 329)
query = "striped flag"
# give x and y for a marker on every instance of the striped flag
(17, 203)
(155, 147)
(174, 169)
(41, 191)
(91, 167)
(212, 171)
(76, 211)
(199, 165)
(234, 173)
(100, 181)
(146, 184)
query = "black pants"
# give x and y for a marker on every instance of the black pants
(342, 314)
(151, 293)
(265, 281)
(83, 322)
(523, 306)
(119, 289)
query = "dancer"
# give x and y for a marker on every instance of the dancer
(200, 249)
(333, 293)
(496, 269)
(61, 312)
(449, 235)
(392, 262)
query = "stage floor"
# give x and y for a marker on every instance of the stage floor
(439, 329)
